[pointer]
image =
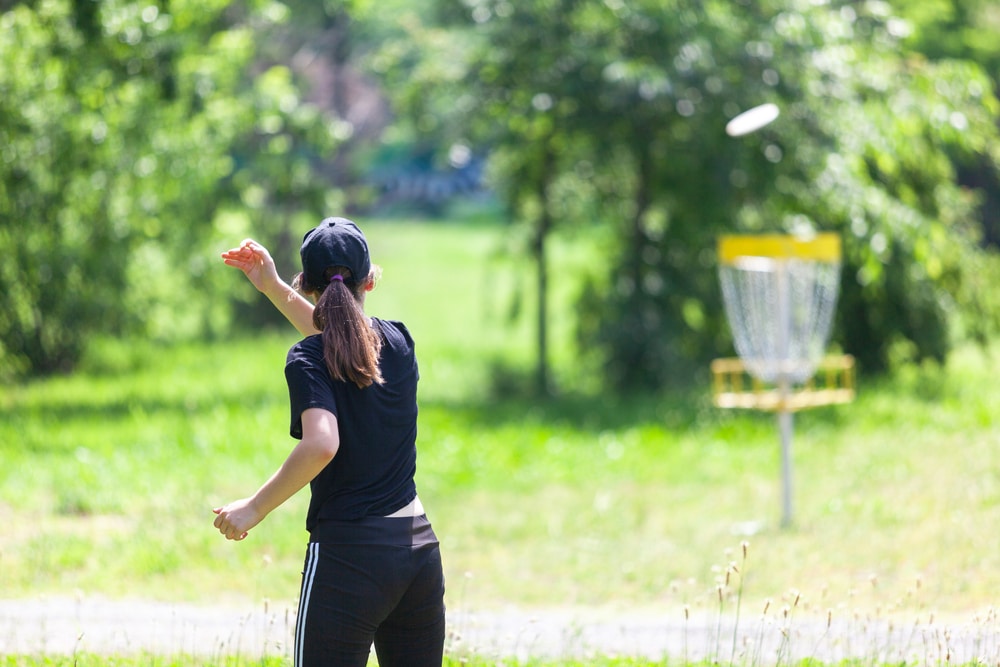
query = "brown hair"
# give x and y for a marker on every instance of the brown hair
(351, 347)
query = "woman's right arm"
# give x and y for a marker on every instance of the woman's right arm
(319, 444)
(255, 262)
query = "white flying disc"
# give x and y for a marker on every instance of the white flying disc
(752, 120)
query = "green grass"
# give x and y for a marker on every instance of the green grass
(91, 660)
(94, 660)
(109, 476)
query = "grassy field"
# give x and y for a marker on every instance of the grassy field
(109, 476)
(90, 660)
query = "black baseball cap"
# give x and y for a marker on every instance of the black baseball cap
(334, 242)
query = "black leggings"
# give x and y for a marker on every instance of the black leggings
(354, 595)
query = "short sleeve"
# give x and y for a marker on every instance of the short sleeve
(308, 387)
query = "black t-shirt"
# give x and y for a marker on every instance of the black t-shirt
(372, 473)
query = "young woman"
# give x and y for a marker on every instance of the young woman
(373, 567)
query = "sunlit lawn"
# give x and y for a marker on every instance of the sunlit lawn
(90, 660)
(109, 476)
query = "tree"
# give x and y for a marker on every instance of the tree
(97, 112)
(638, 93)
(950, 30)
(494, 86)
(520, 90)
(127, 129)
(872, 153)
(316, 115)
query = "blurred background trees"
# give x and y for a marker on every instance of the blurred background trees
(634, 96)
(135, 135)
(129, 131)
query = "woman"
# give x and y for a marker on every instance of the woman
(373, 568)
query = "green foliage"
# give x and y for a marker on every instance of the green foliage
(949, 30)
(953, 29)
(856, 151)
(888, 184)
(278, 187)
(131, 137)
(612, 114)
(112, 134)
(138, 141)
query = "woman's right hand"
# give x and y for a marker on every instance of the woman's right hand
(236, 519)
(255, 262)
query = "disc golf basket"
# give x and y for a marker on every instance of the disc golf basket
(779, 294)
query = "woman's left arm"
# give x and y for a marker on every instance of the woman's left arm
(319, 444)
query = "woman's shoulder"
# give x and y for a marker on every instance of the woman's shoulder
(307, 348)
(392, 326)
(394, 332)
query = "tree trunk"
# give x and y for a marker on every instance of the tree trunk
(541, 262)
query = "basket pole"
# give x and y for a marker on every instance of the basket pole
(785, 427)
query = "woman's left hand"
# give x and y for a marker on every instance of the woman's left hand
(237, 518)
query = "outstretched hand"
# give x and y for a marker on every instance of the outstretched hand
(255, 262)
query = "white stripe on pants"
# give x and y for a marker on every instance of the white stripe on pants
(307, 581)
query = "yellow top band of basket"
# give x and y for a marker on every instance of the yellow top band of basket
(820, 248)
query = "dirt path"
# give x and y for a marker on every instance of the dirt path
(96, 625)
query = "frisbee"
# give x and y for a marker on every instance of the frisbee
(752, 120)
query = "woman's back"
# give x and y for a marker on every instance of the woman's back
(372, 474)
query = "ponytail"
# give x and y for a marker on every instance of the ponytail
(351, 347)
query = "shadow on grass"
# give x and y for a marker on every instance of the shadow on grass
(582, 412)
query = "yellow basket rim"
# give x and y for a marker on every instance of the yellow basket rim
(823, 247)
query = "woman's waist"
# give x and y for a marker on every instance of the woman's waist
(405, 530)
(412, 509)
